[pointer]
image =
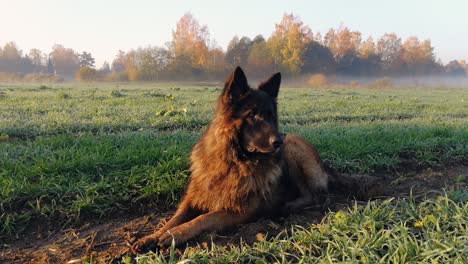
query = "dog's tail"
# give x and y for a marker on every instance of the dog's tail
(361, 187)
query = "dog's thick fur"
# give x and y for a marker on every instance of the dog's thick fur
(242, 166)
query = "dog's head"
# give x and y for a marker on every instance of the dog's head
(253, 111)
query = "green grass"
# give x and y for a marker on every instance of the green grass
(392, 231)
(74, 150)
(68, 176)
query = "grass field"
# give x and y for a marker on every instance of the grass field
(72, 152)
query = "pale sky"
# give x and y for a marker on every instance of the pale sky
(102, 27)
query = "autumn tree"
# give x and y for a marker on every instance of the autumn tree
(237, 52)
(389, 48)
(118, 64)
(180, 67)
(216, 65)
(258, 39)
(344, 45)
(317, 59)
(231, 58)
(152, 62)
(260, 61)
(463, 64)
(343, 42)
(105, 69)
(369, 60)
(86, 60)
(367, 49)
(11, 58)
(287, 43)
(131, 68)
(190, 44)
(417, 57)
(38, 59)
(65, 60)
(11, 52)
(455, 68)
(50, 67)
(86, 73)
(124, 67)
(329, 40)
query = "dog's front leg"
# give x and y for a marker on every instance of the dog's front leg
(183, 214)
(211, 221)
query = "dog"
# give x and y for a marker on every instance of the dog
(242, 167)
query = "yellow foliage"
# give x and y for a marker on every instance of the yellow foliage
(288, 41)
(85, 74)
(132, 73)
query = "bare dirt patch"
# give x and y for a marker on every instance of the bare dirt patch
(110, 239)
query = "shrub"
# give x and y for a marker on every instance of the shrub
(10, 77)
(86, 74)
(382, 83)
(31, 77)
(317, 80)
(117, 77)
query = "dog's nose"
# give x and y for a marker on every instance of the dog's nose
(276, 142)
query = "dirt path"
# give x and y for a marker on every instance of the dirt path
(110, 239)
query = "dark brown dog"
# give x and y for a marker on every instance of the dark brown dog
(242, 166)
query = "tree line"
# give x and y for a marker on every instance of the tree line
(293, 48)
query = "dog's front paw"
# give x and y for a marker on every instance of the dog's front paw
(175, 234)
(145, 244)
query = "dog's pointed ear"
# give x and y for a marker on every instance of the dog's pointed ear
(236, 86)
(272, 85)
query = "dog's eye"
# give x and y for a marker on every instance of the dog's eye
(251, 114)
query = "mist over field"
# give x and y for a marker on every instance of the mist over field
(428, 81)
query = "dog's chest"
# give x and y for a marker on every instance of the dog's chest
(239, 188)
(265, 179)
